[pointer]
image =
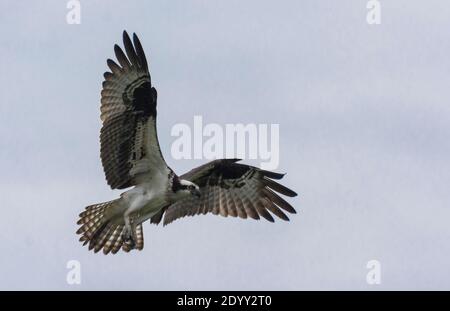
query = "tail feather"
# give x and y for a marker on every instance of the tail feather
(90, 225)
(86, 217)
(100, 229)
(117, 243)
(139, 237)
(93, 209)
(99, 241)
(110, 243)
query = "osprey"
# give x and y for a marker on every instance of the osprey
(131, 157)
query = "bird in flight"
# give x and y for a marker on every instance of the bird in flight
(132, 158)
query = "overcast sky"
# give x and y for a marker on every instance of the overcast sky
(364, 138)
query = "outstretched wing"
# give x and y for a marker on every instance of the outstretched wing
(232, 189)
(130, 149)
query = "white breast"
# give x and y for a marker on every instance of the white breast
(146, 199)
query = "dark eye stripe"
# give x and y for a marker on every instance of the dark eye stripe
(187, 187)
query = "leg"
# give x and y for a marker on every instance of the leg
(129, 233)
(135, 201)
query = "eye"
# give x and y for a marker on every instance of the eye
(191, 187)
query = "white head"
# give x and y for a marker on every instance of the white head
(183, 188)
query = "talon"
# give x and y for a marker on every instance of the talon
(130, 243)
(129, 237)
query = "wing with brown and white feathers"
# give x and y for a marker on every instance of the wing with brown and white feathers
(129, 144)
(232, 189)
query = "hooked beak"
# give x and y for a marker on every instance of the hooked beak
(196, 192)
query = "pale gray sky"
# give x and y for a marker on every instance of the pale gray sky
(364, 137)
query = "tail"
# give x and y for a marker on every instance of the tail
(102, 227)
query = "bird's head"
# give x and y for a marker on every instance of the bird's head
(187, 188)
